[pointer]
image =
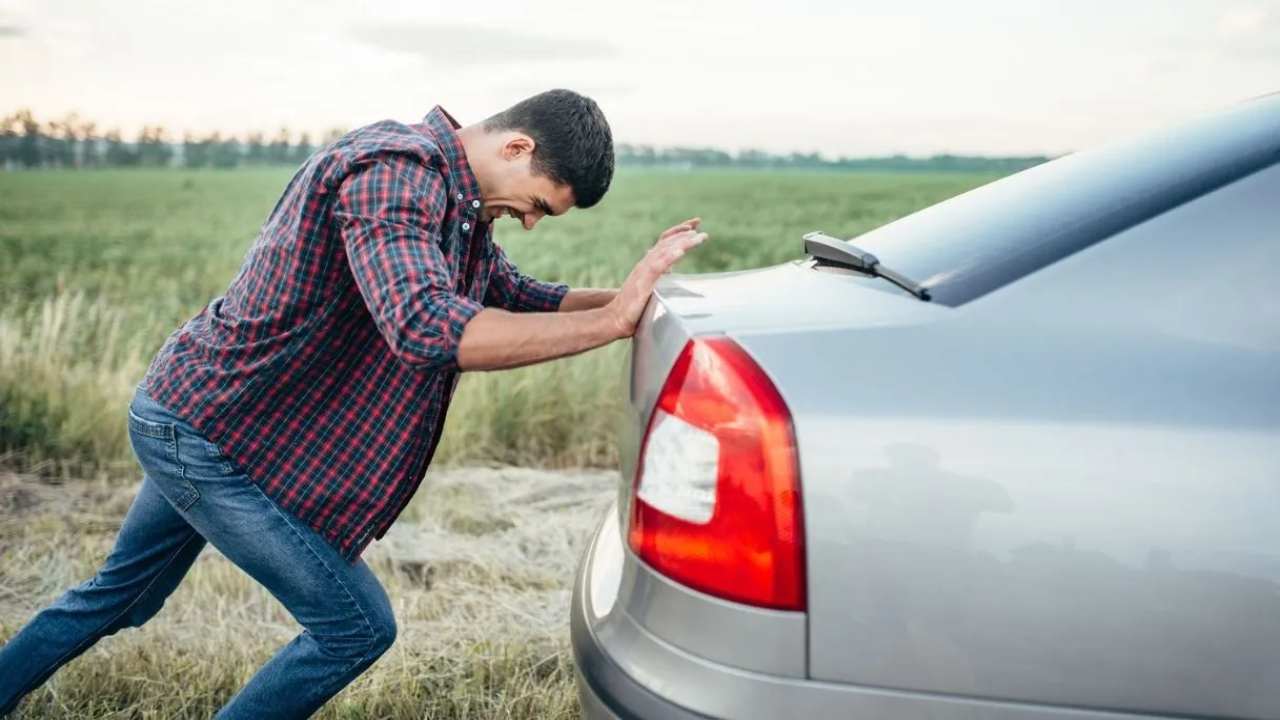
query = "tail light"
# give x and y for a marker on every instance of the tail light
(717, 491)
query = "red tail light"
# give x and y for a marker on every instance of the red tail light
(717, 491)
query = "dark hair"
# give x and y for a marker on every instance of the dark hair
(574, 145)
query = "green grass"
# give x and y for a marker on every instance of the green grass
(100, 266)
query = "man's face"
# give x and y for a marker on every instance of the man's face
(519, 192)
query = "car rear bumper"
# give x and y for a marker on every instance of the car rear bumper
(607, 693)
(626, 672)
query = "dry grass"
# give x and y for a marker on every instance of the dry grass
(66, 376)
(479, 570)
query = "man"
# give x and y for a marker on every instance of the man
(291, 420)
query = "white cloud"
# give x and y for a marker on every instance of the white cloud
(1243, 21)
(450, 44)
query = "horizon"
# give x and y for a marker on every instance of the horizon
(53, 129)
(840, 79)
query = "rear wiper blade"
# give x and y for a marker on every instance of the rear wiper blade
(834, 251)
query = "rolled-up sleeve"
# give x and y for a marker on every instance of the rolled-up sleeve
(511, 290)
(390, 216)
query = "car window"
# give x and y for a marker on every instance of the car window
(989, 237)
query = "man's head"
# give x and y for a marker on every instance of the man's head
(541, 156)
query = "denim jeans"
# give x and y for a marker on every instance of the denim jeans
(191, 494)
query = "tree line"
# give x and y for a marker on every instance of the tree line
(73, 142)
(684, 157)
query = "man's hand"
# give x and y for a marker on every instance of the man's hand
(672, 244)
(494, 338)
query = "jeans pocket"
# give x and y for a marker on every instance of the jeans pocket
(201, 458)
(150, 428)
(155, 444)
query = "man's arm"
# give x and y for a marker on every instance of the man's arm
(494, 338)
(510, 283)
(586, 299)
(389, 217)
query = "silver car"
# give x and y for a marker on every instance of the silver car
(1016, 455)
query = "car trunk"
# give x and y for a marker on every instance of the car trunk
(790, 298)
(969, 527)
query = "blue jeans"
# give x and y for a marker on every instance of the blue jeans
(191, 493)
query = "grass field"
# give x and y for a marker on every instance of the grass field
(98, 267)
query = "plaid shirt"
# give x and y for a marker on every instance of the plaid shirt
(326, 369)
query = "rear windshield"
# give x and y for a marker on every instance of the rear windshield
(986, 238)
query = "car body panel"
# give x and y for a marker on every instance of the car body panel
(1074, 502)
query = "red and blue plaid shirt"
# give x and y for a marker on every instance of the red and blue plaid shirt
(326, 369)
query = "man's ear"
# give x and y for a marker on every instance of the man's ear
(518, 145)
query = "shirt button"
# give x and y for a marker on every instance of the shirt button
(475, 203)
(459, 197)
(466, 226)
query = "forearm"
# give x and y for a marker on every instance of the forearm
(586, 299)
(495, 339)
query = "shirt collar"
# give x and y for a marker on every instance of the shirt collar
(443, 127)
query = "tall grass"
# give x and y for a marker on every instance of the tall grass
(98, 268)
(555, 414)
(66, 370)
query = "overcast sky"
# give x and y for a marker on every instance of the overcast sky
(835, 76)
